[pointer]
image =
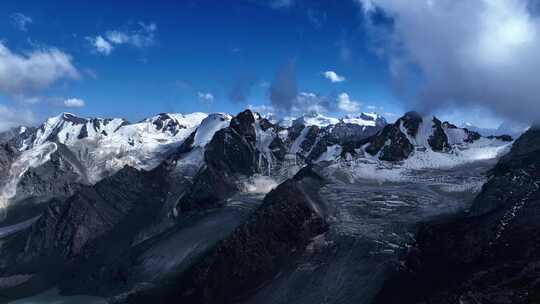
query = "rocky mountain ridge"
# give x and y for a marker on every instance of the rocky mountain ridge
(87, 226)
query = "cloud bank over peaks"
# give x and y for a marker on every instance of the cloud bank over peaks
(344, 103)
(468, 53)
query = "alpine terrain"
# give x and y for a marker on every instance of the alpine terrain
(216, 208)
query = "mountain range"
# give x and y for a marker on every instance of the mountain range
(216, 208)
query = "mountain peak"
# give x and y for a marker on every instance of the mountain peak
(365, 119)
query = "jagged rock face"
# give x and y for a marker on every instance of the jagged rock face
(94, 223)
(398, 141)
(166, 123)
(280, 228)
(231, 152)
(392, 144)
(345, 135)
(438, 139)
(7, 155)
(60, 177)
(411, 122)
(490, 254)
(234, 149)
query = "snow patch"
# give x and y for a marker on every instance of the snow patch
(28, 159)
(209, 126)
(332, 153)
(259, 184)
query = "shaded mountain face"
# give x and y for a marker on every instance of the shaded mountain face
(489, 254)
(289, 217)
(97, 222)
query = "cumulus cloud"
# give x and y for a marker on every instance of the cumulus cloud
(27, 73)
(333, 76)
(345, 103)
(11, 118)
(20, 21)
(480, 53)
(142, 36)
(206, 98)
(74, 103)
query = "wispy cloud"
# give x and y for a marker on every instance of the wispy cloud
(20, 21)
(205, 97)
(279, 4)
(333, 76)
(141, 36)
(74, 103)
(101, 45)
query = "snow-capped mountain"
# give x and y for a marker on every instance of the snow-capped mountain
(91, 149)
(80, 189)
(88, 150)
(315, 119)
(365, 119)
(414, 133)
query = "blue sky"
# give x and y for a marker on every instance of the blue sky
(134, 59)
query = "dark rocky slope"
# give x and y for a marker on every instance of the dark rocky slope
(490, 254)
(270, 238)
(59, 178)
(7, 154)
(396, 141)
(77, 234)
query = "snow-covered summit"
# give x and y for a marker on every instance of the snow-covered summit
(315, 119)
(365, 119)
(67, 128)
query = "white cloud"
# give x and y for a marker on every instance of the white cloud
(101, 45)
(346, 104)
(74, 103)
(20, 21)
(141, 36)
(10, 118)
(206, 98)
(23, 74)
(481, 53)
(117, 37)
(333, 76)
